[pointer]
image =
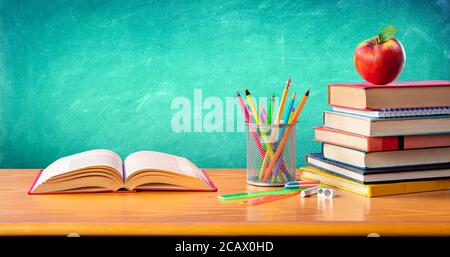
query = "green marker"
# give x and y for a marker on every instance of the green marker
(256, 194)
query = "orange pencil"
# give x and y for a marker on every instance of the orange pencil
(276, 122)
(285, 137)
(283, 101)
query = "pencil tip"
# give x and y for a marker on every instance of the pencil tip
(294, 95)
(307, 92)
(238, 93)
(288, 82)
(246, 90)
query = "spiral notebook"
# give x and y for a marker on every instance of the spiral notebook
(398, 112)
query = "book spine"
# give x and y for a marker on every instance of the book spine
(375, 144)
(329, 95)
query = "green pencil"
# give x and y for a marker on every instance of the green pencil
(269, 115)
(256, 194)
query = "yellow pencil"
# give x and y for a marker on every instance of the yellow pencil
(285, 136)
(252, 105)
(283, 101)
(269, 150)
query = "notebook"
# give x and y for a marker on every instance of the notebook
(104, 171)
(370, 176)
(374, 190)
(375, 144)
(373, 160)
(368, 126)
(408, 94)
(398, 112)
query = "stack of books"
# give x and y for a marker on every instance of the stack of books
(384, 140)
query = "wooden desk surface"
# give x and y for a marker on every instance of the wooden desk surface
(194, 213)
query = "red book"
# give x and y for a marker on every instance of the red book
(366, 96)
(375, 144)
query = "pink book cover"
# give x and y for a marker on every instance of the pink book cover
(212, 188)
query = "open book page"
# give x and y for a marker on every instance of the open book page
(150, 160)
(81, 160)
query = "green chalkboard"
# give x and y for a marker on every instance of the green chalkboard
(77, 75)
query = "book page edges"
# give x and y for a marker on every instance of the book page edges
(30, 191)
(212, 188)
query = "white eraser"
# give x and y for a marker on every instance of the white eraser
(309, 191)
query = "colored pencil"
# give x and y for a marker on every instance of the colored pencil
(283, 100)
(269, 150)
(277, 121)
(267, 199)
(289, 109)
(252, 105)
(285, 137)
(256, 139)
(263, 113)
(269, 116)
(256, 194)
(285, 121)
(292, 115)
(301, 183)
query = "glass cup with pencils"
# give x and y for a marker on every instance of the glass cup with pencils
(271, 141)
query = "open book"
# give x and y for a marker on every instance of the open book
(104, 171)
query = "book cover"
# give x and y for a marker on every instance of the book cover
(374, 190)
(380, 175)
(408, 94)
(379, 143)
(399, 126)
(398, 112)
(386, 159)
(395, 84)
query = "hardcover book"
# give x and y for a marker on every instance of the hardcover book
(375, 144)
(380, 175)
(104, 171)
(366, 96)
(398, 112)
(374, 190)
(369, 126)
(385, 159)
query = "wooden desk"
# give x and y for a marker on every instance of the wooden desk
(193, 213)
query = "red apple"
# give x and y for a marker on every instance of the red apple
(379, 61)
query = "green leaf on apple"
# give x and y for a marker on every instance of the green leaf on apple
(387, 33)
